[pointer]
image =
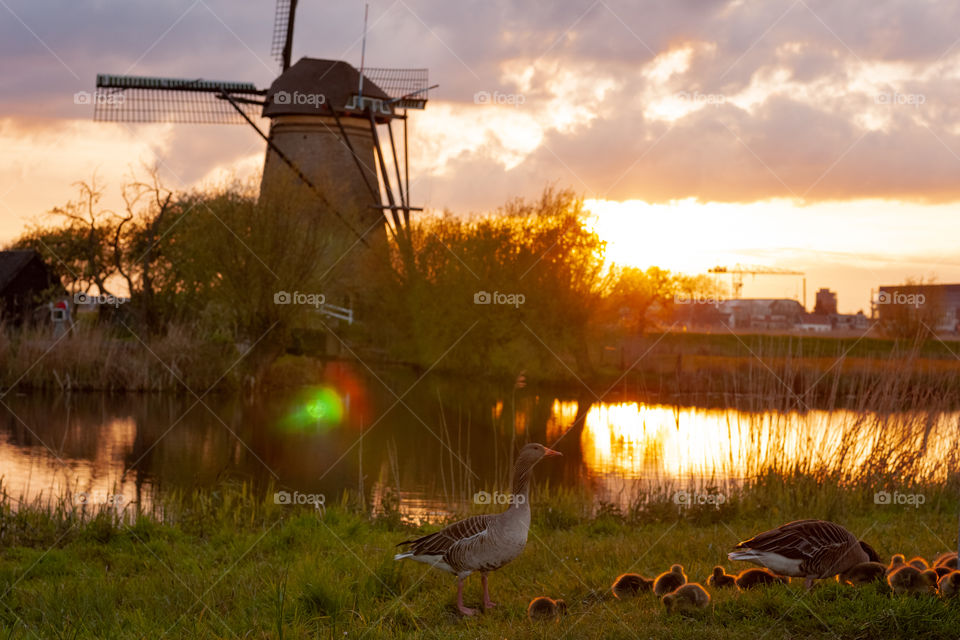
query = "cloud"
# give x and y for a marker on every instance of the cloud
(720, 101)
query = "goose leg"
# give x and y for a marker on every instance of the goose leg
(808, 583)
(487, 602)
(467, 611)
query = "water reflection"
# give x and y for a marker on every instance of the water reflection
(430, 453)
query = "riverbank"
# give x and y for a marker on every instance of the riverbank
(803, 371)
(226, 564)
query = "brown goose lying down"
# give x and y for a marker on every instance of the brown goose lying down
(809, 549)
(630, 585)
(486, 542)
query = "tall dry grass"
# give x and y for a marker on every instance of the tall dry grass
(100, 358)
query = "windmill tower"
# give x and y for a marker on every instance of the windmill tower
(331, 141)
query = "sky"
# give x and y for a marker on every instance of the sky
(819, 136)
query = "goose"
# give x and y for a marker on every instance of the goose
(942, 571)
(750, 578)
(898, 560)
(919, 563)
(544, 608)
(863, 573)
(909, 579)
(949, 585)
(687, 597)
(948, 560)
(669, 580)
(629, 585)
(720, 578)
(809, 549)
(486, 542)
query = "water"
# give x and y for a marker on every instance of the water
(434, 443)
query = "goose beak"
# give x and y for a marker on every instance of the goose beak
(550, 453)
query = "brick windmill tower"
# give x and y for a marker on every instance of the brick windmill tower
(331, 142)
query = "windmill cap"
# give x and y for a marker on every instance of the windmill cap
(313, 86)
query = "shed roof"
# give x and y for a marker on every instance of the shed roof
(12, 263)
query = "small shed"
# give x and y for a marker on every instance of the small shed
(24, 276)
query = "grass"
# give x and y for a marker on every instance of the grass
(228, 564)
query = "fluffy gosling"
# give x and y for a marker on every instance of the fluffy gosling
(909, 579)
(863, 573)
(949, 585)
(919, 563)
(630, 585)
(544, 608)
(669, 581)
(750, 578)
(688, 597)
(721, 579)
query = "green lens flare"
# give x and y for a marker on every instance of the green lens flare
(317, 409)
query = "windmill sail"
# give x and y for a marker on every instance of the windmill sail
(408, 87)
(148, 99)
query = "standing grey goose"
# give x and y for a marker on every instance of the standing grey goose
(486, 542)
(808, 549)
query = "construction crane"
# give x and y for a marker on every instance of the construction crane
(739, 270)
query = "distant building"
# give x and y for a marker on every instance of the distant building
(24, 276)
(762, 313)
(815, 323)
(850, 321)
(938, 302)
(826, 302)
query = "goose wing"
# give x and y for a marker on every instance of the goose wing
(814, 542)
(442, 541)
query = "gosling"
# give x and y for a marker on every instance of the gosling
(948, 560)
(721, 579)
(949, 585)
(669, 581)
(688, 597)
(896, 562)
(919, 563)
(863, 573)
(544, 608)
(909, 579)
(630, 585)
(750, 578)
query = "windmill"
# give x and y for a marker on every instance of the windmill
(330, 128)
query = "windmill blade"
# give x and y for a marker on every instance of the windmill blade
(407, 88)
(281, 45)
(148, 99)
